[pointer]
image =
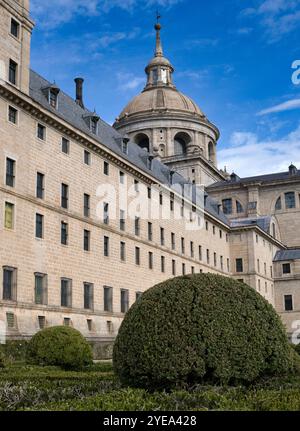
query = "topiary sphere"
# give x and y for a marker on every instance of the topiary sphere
(60, 345)
(200, 328)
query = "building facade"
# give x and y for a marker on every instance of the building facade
(77, 247)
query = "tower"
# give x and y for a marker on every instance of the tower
(15, 32)
(170, 125)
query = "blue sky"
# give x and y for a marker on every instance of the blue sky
(233, 57)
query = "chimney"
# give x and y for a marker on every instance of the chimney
(79, 91)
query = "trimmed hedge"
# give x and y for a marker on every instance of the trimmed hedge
(60, 345)
(197, 329)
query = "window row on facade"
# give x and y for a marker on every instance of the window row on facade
(41, 292)
(240, 267)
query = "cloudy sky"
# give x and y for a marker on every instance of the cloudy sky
(235, 58)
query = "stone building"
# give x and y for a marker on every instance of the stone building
(75, 246)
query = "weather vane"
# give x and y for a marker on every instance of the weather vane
(158, 16)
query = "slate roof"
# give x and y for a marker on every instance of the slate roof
(279, 176)
(69, 111)
(262, 222)
(282, 255)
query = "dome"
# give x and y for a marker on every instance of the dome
(161, 99)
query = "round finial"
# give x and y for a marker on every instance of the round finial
(157, 26)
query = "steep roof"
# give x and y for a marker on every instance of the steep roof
(291, 254)
(69, 111)
(279, 176)
(262, 222)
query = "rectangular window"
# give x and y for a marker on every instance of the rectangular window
(40, 185)
(67, 321)
(86, 240)
(12, 115)
(124, 300)
(122, 221)
(239, 265)
(290, 201)
(193, 270)
(106, 246)
(227, 206)
(41, 132)
(149, 192)
(66, 293)
(215, 259)
(150, 260)
(40, 292)
(192, 249)
(9, 215)
(64, 196)
(162, 236)
(163, 264)
(222, 262)
(88, 289)
(173, 241)
(182, 246)
(9, 284)
(53, 97)
(64, 233)
(13, 70)
(161, 199)
(15, 28)
(105, 213)
(173, 267)
(108, 298)
(286, 268)
(138, 295)
(11, 320)
(10, 172)
(137, 226)
(122, 251)
(288, 302)
(42, 322)
(137, 256)
(86, 204)
(228, 265)
(183, 269)
(207, 256)
(122, 178)
(87, 157)
(65, 146)
(136, 186)
(106, 168)
(39, 226)
(150, 231)
(200, 252)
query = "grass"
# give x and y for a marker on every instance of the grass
(24, 387)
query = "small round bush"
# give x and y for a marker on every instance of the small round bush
(197, 329)
(60, 345)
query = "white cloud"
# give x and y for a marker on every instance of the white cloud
(285, 106)
(277, 17)
(52, 14)
(248, 155)
(128, 81)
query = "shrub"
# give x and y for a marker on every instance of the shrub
(200, 328)
(297, 348)
(60, 345)
(14, 350)
(2, 360)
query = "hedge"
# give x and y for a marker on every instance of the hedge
(60, 345)
(197, 329)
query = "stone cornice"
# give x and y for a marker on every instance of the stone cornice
(261, 232)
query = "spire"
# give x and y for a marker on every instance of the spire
(157, 27)
(159, 70)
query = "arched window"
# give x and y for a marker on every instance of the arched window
(290, 200)
(227, 206)
(181, 142)
(142, 141)
(278, 205)
(239, 207)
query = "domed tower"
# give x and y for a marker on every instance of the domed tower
(170, 125)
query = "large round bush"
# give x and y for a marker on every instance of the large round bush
(200, 328)
(59, 345)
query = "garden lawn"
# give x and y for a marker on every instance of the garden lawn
(24, 387)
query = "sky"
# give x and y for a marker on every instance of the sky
(239, 60)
